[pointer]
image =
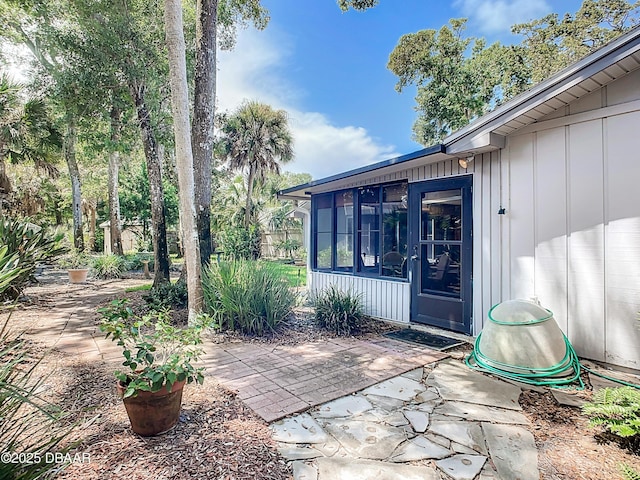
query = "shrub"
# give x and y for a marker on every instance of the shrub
(109, 265)
(135, 260)
(167, 295)
(240, 243)
(248, 296)
(617, 409)
(339, 311)
(33, 245)
(629, 473)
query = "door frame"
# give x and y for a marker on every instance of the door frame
(465, 302)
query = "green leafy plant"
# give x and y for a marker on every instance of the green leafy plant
(33, 245)
(248, 296)
(628, 472)
(289, 247)
(156, 354)
(109, 265)
(340, 311)
(74, 259)
(616, 409)
(167, 295)
(240, 243)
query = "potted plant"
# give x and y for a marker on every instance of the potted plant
(77, 265)
(158, 361)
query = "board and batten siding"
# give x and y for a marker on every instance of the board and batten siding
(572, 231)
(390, 300)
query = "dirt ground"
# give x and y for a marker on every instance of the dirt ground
(219, 438)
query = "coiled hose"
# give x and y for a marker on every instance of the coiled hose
(561, 375)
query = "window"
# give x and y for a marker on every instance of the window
(324, 230)
(362, 231)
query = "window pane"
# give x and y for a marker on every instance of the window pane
(324, 250)
(344, 229)
(394, 224)
(369, 251)
(441, 269)
(442, 215)
(323, 213)
(369, 233)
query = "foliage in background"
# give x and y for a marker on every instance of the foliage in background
(33, 245)
(248, 296)
(617, 410)
(109, 265)
(74, 259)
(167, 295)
(339, 311)
(460, 78)
(239, 243)
(156, 353)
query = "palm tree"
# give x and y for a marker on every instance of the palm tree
(256, 139)
(26, 133)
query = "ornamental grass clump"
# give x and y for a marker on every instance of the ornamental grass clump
(248, 296)
(339, 311)
(109, 265)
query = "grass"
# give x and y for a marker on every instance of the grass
(295, 275)
(140, 288)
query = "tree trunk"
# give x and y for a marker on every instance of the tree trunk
(74, 176)
(184, 155)
(115, 227)
(92, 207)
(247, 212)
(154, 172)
(203, 119)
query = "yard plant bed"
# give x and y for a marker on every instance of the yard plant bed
(218, 437)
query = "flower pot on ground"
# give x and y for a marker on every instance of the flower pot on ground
(78, 275)
(77, 265)
(158, 359)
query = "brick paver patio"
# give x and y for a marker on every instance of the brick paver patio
(273, 380)
(278, 380)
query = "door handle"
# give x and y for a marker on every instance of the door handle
(415, 257)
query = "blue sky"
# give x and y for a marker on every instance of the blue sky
(328, 70)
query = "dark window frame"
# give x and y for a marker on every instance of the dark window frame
(355, 269)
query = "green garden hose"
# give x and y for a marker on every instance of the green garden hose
(561, 375)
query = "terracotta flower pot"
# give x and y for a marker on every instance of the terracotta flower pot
(153, 413)
(78, 275)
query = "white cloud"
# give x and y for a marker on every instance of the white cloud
(255, 70)
(497, 16)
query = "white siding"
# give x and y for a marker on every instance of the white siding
(574, 230)
(384, 299)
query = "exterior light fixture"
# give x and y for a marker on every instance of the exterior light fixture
(464, 162)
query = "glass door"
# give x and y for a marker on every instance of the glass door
(441, 262)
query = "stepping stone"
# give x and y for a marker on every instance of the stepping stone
(419, 448)
(414, 374)
(298, 453)
(567, 400)
(349, 469)
(366, 439)
(462, 467)
(385, 403)
(419, 420)
(344, 407)
(481, 413)
(465, 433)
(428, 396)
(298, 429)
(513, 451)
(401, 388)
(457, 382)
(304, 471)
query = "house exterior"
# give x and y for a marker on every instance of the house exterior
(539, 199)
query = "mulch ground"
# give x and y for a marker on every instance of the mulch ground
(218, 437)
